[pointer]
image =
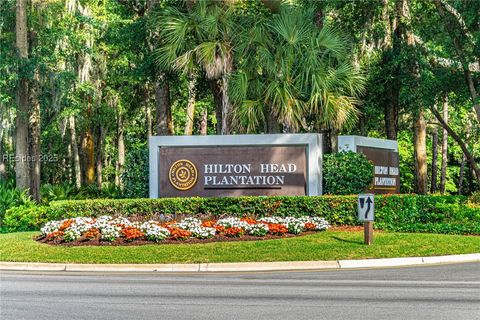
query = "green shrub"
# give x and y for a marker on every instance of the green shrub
(51, 192)
(11, 197)
(474, 199)
(413, 213)
(26, 218)
(135, 176)
(346, 173)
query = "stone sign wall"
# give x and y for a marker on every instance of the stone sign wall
(239, 165)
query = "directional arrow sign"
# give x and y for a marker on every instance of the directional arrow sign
(365, 207)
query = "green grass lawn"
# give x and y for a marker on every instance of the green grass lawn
(320, 246)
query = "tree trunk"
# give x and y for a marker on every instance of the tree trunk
(226, 106)
(272, 124)
(273, 5)
(148, 111)
(22, 172)
(35, 138)
(433, 184)
(162, 105)
(461, 175)
(462, 165)
(393, 86)
(420, 150)
(99, 166)
(76, 158)
(148, 115)
(89, 157)
(217, 98)
(3, 171)
(457, 43)
(456, 137)
(121, 149)
(387, 39)
(192, 91)
(327, 141)
(334, 140)
(443, 174)
(203, 123)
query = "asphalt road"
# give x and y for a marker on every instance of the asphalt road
(433, 292)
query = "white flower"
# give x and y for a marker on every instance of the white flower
(232, 222)
(188, 223)
(50, 227)
(110, 232)
(202, 232)
(278, 220)
(259, 229)
(71, 234)
(153, 231)
(123, 221)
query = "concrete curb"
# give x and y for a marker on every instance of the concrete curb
(241, 266)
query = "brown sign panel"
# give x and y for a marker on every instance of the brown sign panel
(232, 171)
(386, 171)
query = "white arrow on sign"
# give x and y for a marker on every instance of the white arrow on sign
(365, 207)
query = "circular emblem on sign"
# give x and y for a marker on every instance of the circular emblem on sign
(183, 174)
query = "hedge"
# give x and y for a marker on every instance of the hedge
(413, 213)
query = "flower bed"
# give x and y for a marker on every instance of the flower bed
(120, 230)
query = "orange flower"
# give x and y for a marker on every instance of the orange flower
(249, 220)
(66, 224)
(309, 226)
(54, 235)
(209, 223)
(276, 228)
(179, 234)
(219, 228)
(92, 233)
(234, 232)
(132, 233)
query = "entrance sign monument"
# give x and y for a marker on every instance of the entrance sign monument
(235, 165)
(384, 156)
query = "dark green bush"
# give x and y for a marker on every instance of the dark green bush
(474, 199)
(440, 214)
(135, 176)
(346, 173)
(11, 197)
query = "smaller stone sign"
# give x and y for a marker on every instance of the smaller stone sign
(386, 177)
(384, 156)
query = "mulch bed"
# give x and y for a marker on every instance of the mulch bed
(122, 242)
(218, 238)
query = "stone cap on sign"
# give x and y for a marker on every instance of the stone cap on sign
(350, 143)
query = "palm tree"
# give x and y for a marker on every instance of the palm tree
(292, 71)
(197, 36)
